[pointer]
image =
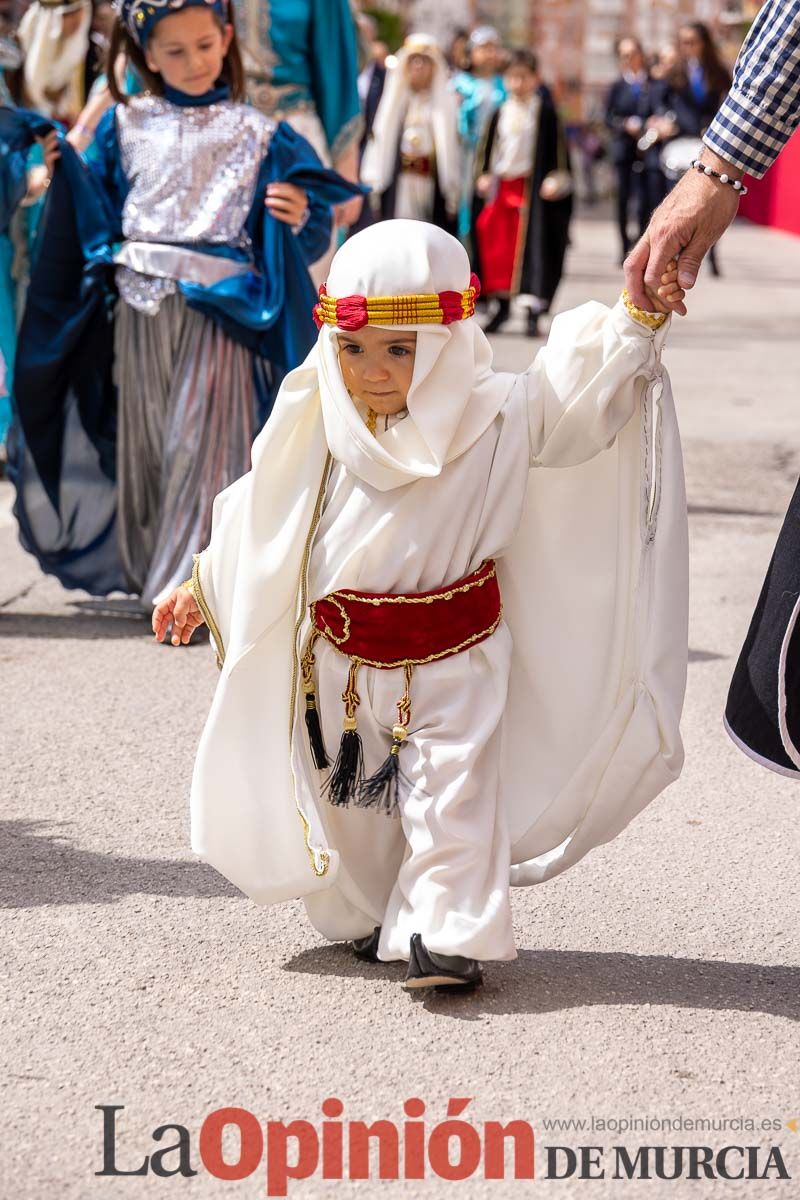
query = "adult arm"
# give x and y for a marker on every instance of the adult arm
(762, 109)
(754, 122)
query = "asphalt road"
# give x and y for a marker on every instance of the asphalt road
(659, 979)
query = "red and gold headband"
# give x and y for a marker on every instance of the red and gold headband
(436, 308)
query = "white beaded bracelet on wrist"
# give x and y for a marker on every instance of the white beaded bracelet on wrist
(736, 184)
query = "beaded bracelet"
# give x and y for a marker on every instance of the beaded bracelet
(736, 184)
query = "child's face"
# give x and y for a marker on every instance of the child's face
(187, 49)
(419, 71)
(485, 58)
(377, 366)
(520, 82)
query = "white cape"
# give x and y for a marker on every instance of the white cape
(591, 730)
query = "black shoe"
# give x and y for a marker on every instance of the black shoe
(532, 324)
(500, 317)
(450, 972)
(366, 948)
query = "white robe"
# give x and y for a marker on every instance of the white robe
(526, 750)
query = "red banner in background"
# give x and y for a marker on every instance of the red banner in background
(775, 199)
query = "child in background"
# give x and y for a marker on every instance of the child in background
(522, 231)
(391, 503)
(412, 160)
(210, 212)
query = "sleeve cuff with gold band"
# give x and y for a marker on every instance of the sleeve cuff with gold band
(651, 320)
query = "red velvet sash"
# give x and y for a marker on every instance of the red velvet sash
(391, 630)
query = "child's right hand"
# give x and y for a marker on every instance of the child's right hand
(669, 293)
(483, 185)
(182, 612)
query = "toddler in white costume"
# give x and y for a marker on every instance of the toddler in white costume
(537, 741)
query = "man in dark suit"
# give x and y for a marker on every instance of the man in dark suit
(633, 103)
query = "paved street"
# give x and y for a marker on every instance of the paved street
(660, 978)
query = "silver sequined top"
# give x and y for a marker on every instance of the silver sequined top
(192, 174)
(192, 171)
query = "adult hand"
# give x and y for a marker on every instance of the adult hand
(286, 202)
(685, 226)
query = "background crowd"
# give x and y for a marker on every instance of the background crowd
(468, 136)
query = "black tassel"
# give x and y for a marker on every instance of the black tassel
(347, 776)
(382, 790)
(318, 752)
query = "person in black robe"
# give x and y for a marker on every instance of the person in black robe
(524, 192)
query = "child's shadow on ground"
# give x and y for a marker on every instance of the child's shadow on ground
(541, 981)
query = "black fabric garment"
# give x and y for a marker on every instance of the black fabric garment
(623, 103)
(639, 174)
(752, 710)
(692, 116)
(377, 82)
(547, 230)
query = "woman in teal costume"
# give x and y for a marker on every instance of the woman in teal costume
(301, 60)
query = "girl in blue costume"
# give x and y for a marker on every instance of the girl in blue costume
(10, 57)
(218, 210)
(23, 179)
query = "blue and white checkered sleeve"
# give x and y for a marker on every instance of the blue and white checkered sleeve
(762, 109)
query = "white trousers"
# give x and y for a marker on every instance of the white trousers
(442, 868)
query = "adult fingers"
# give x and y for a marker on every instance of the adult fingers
(635, 265)
(662, 248)
(691, 258)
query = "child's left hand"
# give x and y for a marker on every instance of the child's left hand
(669, 293)
(286, 202)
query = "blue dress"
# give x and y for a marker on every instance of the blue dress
(13, 185)
(8, 287)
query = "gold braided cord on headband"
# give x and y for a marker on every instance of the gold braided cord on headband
(436, 308)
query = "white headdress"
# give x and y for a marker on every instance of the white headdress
(381, 154)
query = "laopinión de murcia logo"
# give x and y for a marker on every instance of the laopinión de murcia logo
(414, 1148)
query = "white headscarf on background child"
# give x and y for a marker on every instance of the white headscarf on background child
(52, 62)
(380, 157)
(595, 602)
